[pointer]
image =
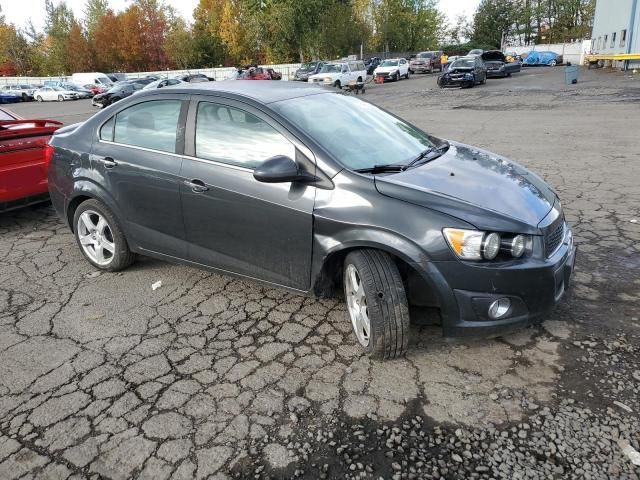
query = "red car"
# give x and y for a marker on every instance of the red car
(95, 89)
(24, 160)
(259, 73)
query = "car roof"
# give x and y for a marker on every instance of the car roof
(262, 92)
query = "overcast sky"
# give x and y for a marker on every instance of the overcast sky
(19, 11)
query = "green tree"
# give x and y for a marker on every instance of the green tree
(93, 12)
(180, 45)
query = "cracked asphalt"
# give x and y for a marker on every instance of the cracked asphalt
(213, 377)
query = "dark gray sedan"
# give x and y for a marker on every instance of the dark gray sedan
(278, 182)
(497, 64)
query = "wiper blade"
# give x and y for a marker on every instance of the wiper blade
(393, 167)
(428, 155)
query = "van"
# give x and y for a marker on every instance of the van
(93, 78)
(340, 74)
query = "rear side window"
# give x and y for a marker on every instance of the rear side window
(235, 137)
(106, 131)
(150, 124)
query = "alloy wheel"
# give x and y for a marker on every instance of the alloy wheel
(357, 305)
(96, 237)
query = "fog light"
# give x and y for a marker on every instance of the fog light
(499, 308)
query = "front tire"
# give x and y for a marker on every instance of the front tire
(396, 77)
(377, 303)
(39, 98)
(100, 238)
(337, 84)
(60, 98)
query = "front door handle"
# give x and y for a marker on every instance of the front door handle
(108, 162)
(197, 186)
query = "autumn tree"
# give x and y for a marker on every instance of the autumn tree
(79, 55)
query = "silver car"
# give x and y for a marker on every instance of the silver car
(52, 94)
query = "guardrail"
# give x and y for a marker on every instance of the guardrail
(615, 56)
(287, 70)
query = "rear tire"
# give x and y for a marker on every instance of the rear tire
(121, 257)
(382, 300)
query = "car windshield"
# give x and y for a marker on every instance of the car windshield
(424, 55)
(25, 86)
(389, 63)
(357, 133)
(463, 64)
(308, 67)
(331, 68)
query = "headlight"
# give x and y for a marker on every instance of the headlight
(490, 246)
(517, 245)
(478, 245)
(466, 244)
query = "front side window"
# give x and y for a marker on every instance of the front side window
(235, 137)
(357, 133)
(150, 124)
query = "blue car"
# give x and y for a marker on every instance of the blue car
(549, 59)
(9, 97)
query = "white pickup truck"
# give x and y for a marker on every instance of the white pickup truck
(340, 74)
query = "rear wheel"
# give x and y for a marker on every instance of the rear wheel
(377, 303)
(553, 63)
(408, 74)
(24, 97)
(337, 84)
(100, 238)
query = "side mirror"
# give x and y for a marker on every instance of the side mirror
(281, 169)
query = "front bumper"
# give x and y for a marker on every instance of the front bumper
(421, 68)
(534, 286)
(455, 80)
(496, 73)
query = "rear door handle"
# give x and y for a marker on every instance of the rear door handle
(108, 162)
(196, 185)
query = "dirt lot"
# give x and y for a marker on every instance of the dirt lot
(213, 377)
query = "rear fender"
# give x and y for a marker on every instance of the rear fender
(86, 188)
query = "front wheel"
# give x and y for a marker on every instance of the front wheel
(396, 77)
(337, 84)
(100, 238)
(60, 98)
(553, 63)
(39, 98)
(377, 303)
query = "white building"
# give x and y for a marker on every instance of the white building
(616, 31)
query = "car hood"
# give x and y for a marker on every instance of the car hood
(493, 56)
(325, 75)
(479, 187)
(386, 69)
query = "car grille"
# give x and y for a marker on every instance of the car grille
(554, 235)
(383, 74)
